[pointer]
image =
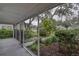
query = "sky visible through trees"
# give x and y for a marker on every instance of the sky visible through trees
(56, 17)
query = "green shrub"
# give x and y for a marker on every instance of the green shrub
(51, 39)
(66, 35)
(30, 33)
(34, 47)
(42, 33)
(4, 33)
(67, 40)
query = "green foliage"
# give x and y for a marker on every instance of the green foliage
(4, 33)
(47, 26)
(34, 47)
(67, 40)
(42, 32)
(76, 31)
(29, 33)
(51, 39)
(66, 36)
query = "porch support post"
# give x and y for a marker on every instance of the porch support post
(22, 33)
(18, 32)
(13, 31)
(38, 38)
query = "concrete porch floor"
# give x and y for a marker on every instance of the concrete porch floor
(11, 47)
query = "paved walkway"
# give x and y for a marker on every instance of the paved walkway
(11, 47)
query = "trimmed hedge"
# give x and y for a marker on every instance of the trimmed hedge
(4, 33)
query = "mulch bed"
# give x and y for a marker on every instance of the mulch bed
(57, 50)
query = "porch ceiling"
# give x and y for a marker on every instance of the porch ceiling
(12, 13)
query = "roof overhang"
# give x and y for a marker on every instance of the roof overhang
(13, 13)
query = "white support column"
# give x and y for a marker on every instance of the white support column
(22, 33)
(38, 38)
(18, 32)
(13, 31)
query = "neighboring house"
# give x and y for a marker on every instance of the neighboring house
(6, 26)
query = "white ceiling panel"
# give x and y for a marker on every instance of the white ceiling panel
(12, 13)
